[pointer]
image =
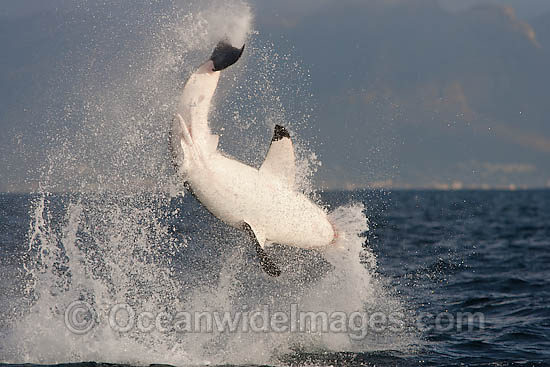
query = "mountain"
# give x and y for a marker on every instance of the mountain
(541, 25)
(405, 92)
(440, 95)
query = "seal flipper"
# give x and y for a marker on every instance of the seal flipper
(267, 264)
(225, 55)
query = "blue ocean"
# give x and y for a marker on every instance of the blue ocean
(110, 261)
(438, 278)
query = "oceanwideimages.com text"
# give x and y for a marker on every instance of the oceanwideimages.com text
(80, 318)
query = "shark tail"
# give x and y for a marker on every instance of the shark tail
(191, 141)
(181, 145)
(186, 148)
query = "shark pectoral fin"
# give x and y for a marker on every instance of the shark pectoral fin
(268, 265)
(265, 261)
(280, 160)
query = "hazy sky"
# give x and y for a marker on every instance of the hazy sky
(524, 8)
(401, 93)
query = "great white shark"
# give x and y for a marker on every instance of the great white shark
(264, 202)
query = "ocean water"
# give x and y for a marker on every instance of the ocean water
(128, 270)
(443, 278)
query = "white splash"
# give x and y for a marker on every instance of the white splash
(119, 240)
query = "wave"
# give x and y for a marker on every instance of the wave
(122, 270)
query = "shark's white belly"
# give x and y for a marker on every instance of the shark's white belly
(237, 193)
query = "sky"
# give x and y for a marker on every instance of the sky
(400, 93)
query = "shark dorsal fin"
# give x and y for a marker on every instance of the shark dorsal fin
(279, 162)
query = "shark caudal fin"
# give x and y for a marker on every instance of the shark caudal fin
(184, 148)
(190, 133)
(197, 94)
(225, 55)
(180, 144)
